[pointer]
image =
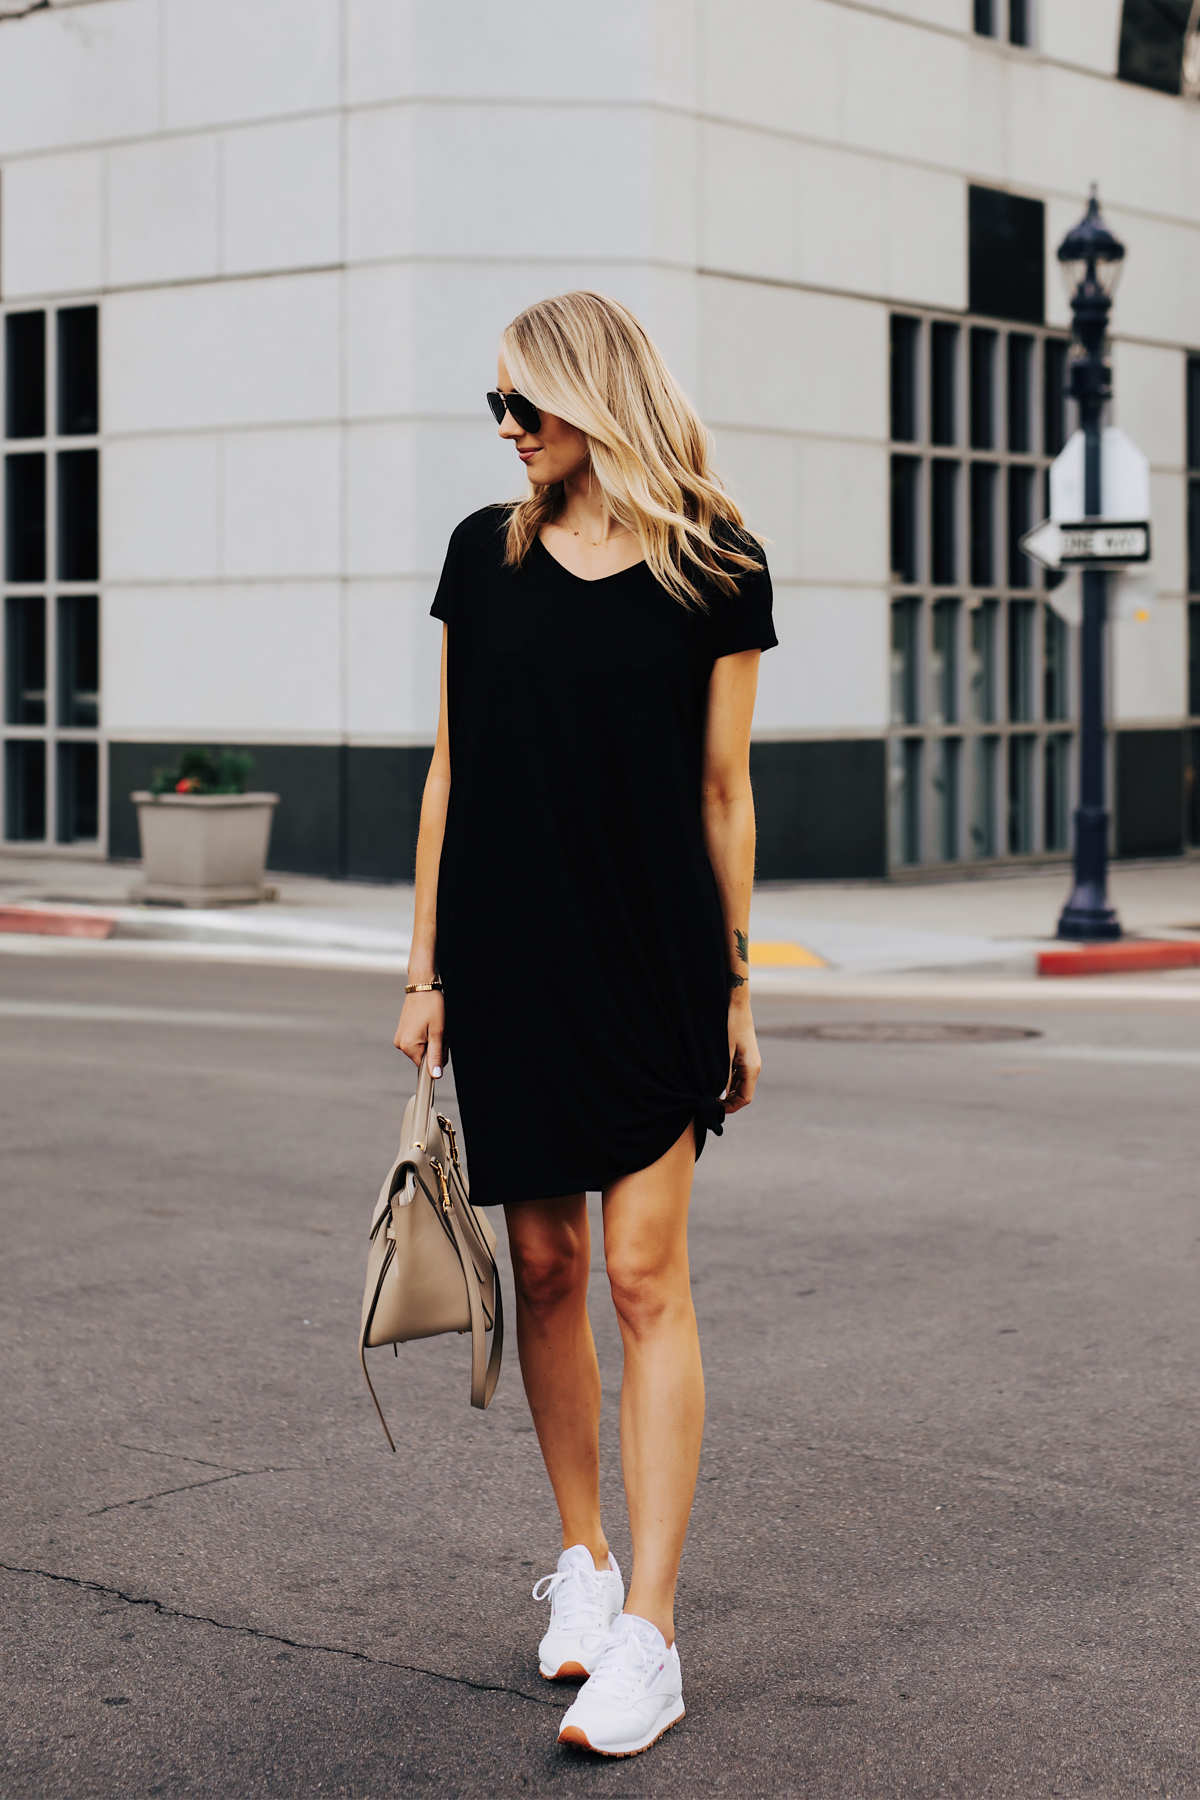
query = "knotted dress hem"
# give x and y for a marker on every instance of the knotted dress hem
(706, 1116)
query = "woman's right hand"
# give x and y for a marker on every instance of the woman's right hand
(423, 1027)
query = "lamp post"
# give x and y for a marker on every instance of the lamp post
(1091, 259)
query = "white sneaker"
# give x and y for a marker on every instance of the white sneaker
(584, 1601)
(635, 1693)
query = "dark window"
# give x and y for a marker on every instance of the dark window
(944, 522)
(1018, 22)
(1054, 668)
(24, 660)
(905, 334)
(1020, 519)
(24, 789)
(78, 660)
(1151, 52)
(78, 769)
(1054, 396)
(1006, 255)
(25, 375)
(1020, 795)
(905, 480)
(906, 693)
(993, 661)
(985, 17)
(1191, 791)
(910, 848)
(1020, 373)
(943, 667)
(983, 662)
(1193, 525)
(1056, 810)
(983, 810)
(25, 516)
(1020, 661)
(78, 515)
(1193, 412)
(51, 658)
(983, 390)
(78, 372)
(983, 524)
(1194, 659)
(943, 387)
(946, 794)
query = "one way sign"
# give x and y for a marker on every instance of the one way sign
(1085, 543)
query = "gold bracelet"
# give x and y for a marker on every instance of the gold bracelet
(423, 987)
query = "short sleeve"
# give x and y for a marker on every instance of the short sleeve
(444, 599)
(743, 621)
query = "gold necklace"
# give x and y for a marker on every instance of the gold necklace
(621, 531)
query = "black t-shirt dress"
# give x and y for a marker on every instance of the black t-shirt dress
(580, 939)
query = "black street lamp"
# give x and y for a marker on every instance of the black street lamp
(1091, 259)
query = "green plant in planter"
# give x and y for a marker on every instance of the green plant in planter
(205, 771)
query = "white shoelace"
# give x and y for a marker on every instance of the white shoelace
(626, 1668)
(574, 1594)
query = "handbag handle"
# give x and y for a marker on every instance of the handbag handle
(423, 1110)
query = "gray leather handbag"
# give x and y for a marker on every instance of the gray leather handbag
(431, 1265)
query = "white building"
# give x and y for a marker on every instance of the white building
(296, 227)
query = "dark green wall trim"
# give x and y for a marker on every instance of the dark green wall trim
(343, 810)
(383, 810)
(821, 809)
(1149, 801)
(353, 811)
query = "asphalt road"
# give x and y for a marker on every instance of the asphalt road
(945, 1541)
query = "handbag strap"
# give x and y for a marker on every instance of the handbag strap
(362, 1343)
(483, 1376)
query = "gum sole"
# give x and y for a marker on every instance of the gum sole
(573, 1735)
(567, 1671)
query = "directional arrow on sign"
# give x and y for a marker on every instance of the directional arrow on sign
(1044, 544)
(1058, 544)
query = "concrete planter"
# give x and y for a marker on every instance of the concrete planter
(204, 849)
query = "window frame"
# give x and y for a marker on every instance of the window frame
(978, 736)
(52, 590)
(1191, 576)
(996, 21)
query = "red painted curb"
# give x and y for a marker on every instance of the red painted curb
(47, 922)
(1118, 959)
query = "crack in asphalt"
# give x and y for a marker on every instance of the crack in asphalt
(189, 1487)
(178, 1456)
(274, 1637)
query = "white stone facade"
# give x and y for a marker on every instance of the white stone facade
(306, 221)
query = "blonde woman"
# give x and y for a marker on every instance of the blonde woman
(584, 867)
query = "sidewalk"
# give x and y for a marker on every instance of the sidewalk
(829, 938)
(332, 924)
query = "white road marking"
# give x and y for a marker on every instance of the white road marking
(1173, 989)
(1117, 1053)
(78, 1012)
(284, 956)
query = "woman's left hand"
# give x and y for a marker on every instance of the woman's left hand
(744, 1060)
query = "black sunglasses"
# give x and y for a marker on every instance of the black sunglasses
(523, 411)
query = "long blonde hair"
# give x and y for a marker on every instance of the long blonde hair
(587, 359)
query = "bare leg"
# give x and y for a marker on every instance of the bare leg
(551, 1253)
(662, 1395)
